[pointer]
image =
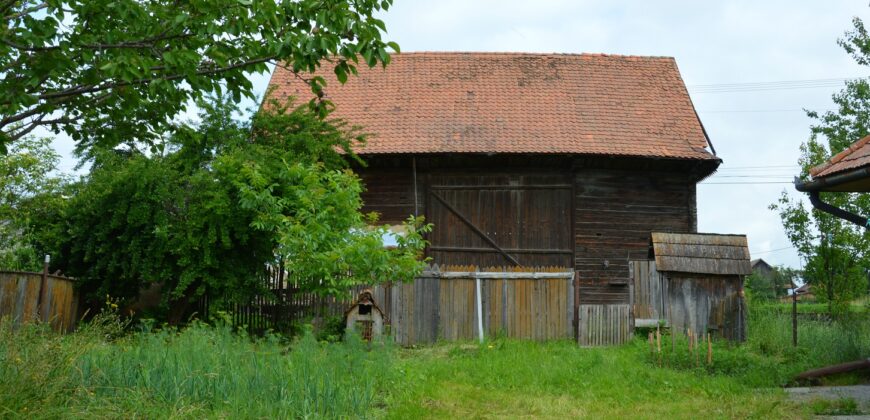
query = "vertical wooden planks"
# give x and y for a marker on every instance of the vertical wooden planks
(604, 325)
(19, 297)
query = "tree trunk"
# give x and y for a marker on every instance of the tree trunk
(178, 308)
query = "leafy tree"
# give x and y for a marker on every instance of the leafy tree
(849, 245)
(26, 189)
(225, 200)
(835, 276)
(773, 285)
(108, 71)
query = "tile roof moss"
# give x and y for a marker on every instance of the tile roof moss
(597, 104)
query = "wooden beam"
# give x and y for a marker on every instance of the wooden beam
(476, 230)
(504, 187)
(514, 250)
(498, 275)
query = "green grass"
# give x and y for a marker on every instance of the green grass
(858, 306)
(820, 343)
(840, 407)
(558, 380)
(198, 372)
(210, 372)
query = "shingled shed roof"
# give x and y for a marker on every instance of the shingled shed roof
(516, 103)
(701, 253)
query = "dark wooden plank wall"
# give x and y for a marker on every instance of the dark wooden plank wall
(390, 193)
(617, 203)
(525, 214)
(615, 211)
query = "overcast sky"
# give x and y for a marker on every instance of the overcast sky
(756, 132)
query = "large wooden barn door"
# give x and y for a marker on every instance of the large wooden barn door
(498, 220)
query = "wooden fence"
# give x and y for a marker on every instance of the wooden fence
(604, 325)
(26, 297)
(442, 303)
(462, 303)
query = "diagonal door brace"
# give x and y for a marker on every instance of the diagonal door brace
(476, 230)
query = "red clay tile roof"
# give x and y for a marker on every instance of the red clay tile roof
(855, 156)
(516, 103)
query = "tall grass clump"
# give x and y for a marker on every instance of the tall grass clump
(37, 365)
(199, 371)
(768, 357)
(204, 370)
(820, 342)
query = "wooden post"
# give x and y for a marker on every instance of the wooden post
(479, 305)
(709, 350)
(40, 298)
(658, 340)
(689, 335)
(651, 348)
(794, 329)
(576, 307)
(659, 345)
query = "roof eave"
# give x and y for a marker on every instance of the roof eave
(830, 183)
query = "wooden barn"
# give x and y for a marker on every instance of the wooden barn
(567, 160)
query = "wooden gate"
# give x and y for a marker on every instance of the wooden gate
(493, 220)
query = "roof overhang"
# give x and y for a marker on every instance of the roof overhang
(853, 180)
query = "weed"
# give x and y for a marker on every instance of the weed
(839, 407)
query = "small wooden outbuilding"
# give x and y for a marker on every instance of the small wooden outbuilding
(365, 317)
(693, 282)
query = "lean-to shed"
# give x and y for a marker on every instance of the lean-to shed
(693, 281)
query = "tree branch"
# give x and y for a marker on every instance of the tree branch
(204, 72)
(26, 12)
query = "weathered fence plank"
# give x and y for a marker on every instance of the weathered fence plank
(26, 297)
(533, 304)
(604, 325)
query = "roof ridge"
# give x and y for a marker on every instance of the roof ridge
(542, 54)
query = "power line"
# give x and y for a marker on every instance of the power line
(765, 86)
(744, 183)
(723, 111)
(786, 176)
(770, 250)
(759, 167)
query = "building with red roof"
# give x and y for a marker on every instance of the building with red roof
(528, 159)
(847, 171)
